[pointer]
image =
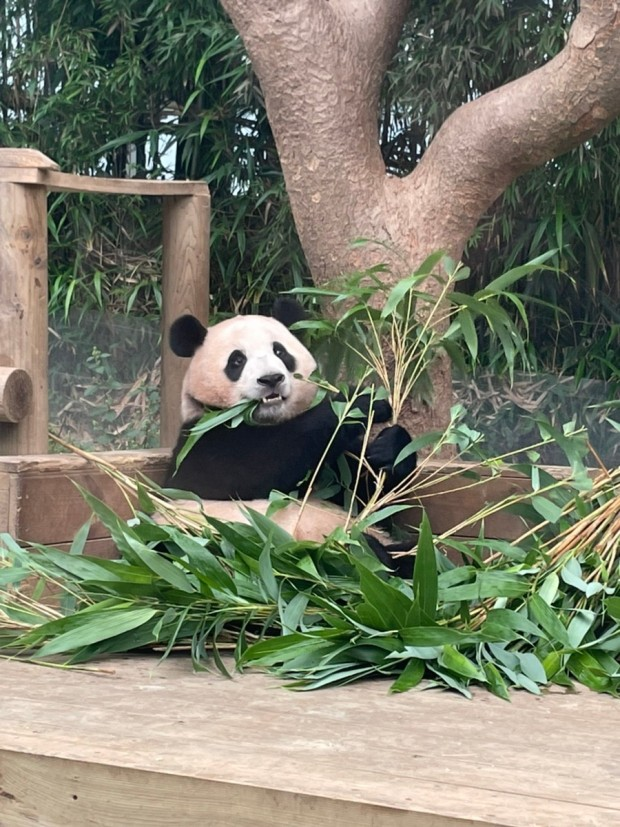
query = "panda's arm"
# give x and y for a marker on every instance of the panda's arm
(383, 452)
(365, 402)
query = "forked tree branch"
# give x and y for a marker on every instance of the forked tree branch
(484, 145)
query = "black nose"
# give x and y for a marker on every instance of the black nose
(271, 380)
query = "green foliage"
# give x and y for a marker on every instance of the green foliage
(104, 388)
(506, 412)
(230, 417)
(392, 334)
(148, 89)
(541, 610)
(152, 89)
(324, 614)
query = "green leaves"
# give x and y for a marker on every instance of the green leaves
(425, 583)
(88, 628)
(323, 614)
(231, 417)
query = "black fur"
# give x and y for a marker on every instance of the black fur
(249, 461)
(234, 366)
(186, 335)
(287, 311)
(287, 359)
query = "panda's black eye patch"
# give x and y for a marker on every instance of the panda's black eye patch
(234, 366)
(282, 353)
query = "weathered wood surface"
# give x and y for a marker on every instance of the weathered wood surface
(39, 500)
(148, 744)
(25, 158)
(450, 498)
(15, 394)
(23, 307)
(66, 182)
(25, 178)
(185, 289)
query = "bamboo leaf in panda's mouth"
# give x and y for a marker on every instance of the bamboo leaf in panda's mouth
(213, 418)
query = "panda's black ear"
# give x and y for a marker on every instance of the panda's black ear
(186, 335)
(288, 311)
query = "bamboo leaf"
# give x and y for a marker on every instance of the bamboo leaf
(163, 568)
(612, 604)
(452, 681)
(469, 332)
(587, 670)
(94, 627)
(580, 625)
(457, 662)
(514, 621)
(507, 279)
(495, 682)
(411, 676)
(390, 606)
(79, 541)
(547, 509)
(544, 615)
(532, 667)
(425, 578)
(265, 569)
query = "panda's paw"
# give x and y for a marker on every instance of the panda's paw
(400, 565)
(382, 411)
(383, 451)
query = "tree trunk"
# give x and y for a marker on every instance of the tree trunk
(321, 64)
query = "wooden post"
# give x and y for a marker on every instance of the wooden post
(185, 289)
(23, 295)
(15, 394)
(25, 177)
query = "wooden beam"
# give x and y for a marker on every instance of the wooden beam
(185, 289)
(15, 394)
(66, 182)
(18, 157)
(40, 501)
(23, 305)
(138, 742)
(25, 177)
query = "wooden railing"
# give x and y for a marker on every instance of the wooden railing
(26, 176)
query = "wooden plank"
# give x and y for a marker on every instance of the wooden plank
(198, 748)
(99, 547)
(40, 503)
(66, 182)
(185, 289)
(47, 507)
(25, 158)
(8, 504)
(451, 497)
(449, 501)
(53, 464)
(23, 308)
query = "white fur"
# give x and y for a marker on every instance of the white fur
(310, 522)
(206, 383)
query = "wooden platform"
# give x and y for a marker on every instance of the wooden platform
(145, 744)
(39, 501)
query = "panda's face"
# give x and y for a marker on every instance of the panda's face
(248, 358)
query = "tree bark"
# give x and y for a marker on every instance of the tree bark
(321, 64)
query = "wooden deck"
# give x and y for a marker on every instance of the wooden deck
(142, 744)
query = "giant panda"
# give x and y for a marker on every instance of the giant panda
(257, 358)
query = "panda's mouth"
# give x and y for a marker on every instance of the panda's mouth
(272, 399)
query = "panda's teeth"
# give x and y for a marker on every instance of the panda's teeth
(271, 399)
